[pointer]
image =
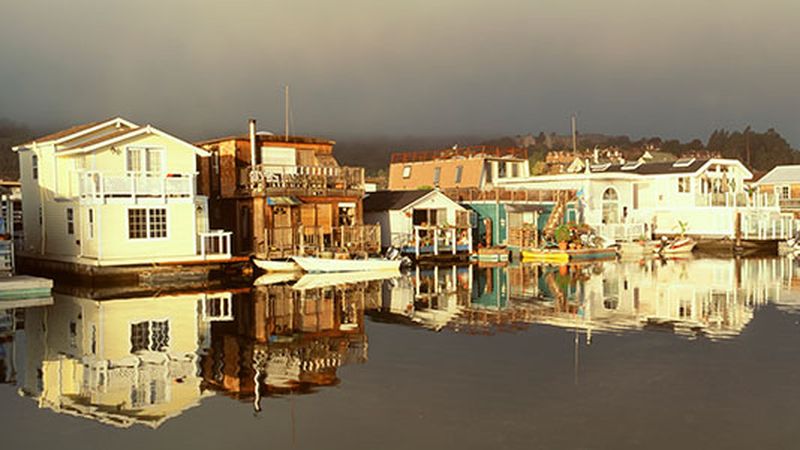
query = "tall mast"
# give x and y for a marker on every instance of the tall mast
(286, 112)
(574, 134)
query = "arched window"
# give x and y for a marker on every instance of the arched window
(610, 206)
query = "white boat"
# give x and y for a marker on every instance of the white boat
(276, 266)
(681, 246)
(276, 278)
(327, 265)
(322, 280)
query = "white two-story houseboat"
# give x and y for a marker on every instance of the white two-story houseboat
(113, 193)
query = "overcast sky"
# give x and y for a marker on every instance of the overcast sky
(365, 67)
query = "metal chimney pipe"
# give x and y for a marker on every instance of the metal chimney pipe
(252, 142)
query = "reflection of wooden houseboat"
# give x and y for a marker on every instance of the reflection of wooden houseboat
(286, 340)
(422, 223)
(285, 196)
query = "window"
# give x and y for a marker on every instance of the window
(150, 335)
(217, 308)
(684, 184)
(610, 206)
(459, 172)
(35, 167)
(437, 175)
(144, 159)
(406, 171)
(501, 169)
(90, 224)
(147, 223)
(70, 221)
(785, 192)
(514, 170)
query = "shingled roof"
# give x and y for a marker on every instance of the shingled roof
(392, 200)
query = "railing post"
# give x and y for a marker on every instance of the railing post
(202, 246)
(453, 243)
(302, 239)
(416, 241)
(435, 241)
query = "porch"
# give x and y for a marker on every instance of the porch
(427, 240)
(283, 242)
(303, 180)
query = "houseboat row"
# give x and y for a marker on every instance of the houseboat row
(113, 196)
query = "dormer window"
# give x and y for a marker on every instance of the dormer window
(683, 162)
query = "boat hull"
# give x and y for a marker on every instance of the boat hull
(324, 265)
(276, 266)
(565, 256)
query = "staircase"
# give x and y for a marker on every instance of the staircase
(557, 215)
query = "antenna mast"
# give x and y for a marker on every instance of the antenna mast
(574, 134)
(286, 112)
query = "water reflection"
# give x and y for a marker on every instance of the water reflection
(144, 357)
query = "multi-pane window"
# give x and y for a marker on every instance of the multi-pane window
(785, 192)
(144, 159)
(684, 184)
(147, 223)
(150, 335)
(91, 223)
(70, 221)
(35, 167)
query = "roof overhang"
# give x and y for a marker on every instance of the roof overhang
(148, 129)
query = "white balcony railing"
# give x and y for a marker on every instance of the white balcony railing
(622, 231)
(737, 199)
(215, 243)
(100, 186)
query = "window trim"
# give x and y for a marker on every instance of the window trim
(70, 220)
(406, 171)
(148, 224)
(144, 150)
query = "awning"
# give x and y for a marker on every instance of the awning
(524, 208)
(283, 201)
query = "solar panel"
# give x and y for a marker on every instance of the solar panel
(599, 167)
(683, 162)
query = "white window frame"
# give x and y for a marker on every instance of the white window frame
(144, 152)
(148, 224)
(406, 171)
(70, 220)
(150, 339)
(90, 219)
(781, 188)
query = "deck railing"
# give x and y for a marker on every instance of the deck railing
(768, 226)
(622, 231)
(100, 186)
(215, 243)
(281, 242)
(737, 199)
(304, 180)
(508, 195)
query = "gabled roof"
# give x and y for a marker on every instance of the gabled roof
(78, 130)
(392, 200)
(123, 135)
(781, 175)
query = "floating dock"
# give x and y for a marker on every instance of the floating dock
(22, 291)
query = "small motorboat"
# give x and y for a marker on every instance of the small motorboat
(312, 264)
(678, 247)
(276, 266)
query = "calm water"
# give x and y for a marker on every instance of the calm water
(679, 354)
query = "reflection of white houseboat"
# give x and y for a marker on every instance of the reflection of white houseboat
(628, 201)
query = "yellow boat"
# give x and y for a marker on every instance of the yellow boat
(564, 256)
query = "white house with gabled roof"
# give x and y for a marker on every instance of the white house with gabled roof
(625, 201)
(113, 193)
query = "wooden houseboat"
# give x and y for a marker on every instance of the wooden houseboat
(285, 196)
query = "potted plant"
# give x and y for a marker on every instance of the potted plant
(562, 235)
